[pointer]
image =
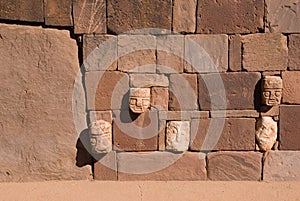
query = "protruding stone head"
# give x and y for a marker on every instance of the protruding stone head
(266, 133)
(177, 135)
(101, 136)
(271, 90)
(139, 100)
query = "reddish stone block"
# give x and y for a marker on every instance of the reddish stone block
(235, 52)
(294, 52)
(184, 16)
(58, 13)
(291, 82)
(106, 167)
(160, 97)
(227, 166)
(230, 16)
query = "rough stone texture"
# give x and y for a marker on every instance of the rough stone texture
(183, 92)
(160, 98)
(136, 53)
(234, 113)
(58, 13)
(235, 52)
(266, 133)
(149, 80)
(271, 90)
(162, 166)
(170, 49)
(137, 133)
(161, 134)
(201, 50)
(294, 51)
(242, 90)
(38, 135)
(106, 167)
(281, 166)
(291, 81)
(228, 166)
(183, 115)
(237, 134)
(139, 100)
(269, 111)
(143, 14)
(283, 16)
(107, 90)
(177, 135)
(100, 115)
(262, 52)
(289, 127)
(184, 16)
(89, 16)
(100, 136)
(230, 16)
(22, 10)
(100, 52)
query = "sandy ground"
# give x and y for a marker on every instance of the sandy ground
(146, 191)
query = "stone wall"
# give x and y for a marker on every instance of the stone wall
(149, 90)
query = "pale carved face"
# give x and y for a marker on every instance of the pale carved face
(139, 100)
(271, 90)
(100, 136)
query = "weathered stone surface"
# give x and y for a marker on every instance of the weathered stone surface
(89, 16)
(266, 133)
(281, 166)
(234, 113)
(106, 167)
(58, 13)
(294, 52)
(100, 52)
(184, 16)
(136, 53)
(230, 16)
(240, 89)
(161, 134)
(170, 49)
(269, 111)
(227, 166)
(138, 133)
(160, 98)
(237, 134)
(149, 80)
(162, 166)
(100, 115)
(139, 100)
(291, 81)
(263, 52)
(235, 52)
(143, 14)
(178, 135)
(183, 115)
(38, 135)
(289, 127)
(201, 50)
(183, 92)
(22, 10)
(283, 16)
(100, 136)
(107, 90)
(271, 90)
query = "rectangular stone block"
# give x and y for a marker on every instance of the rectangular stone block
(235, 52)
(265, 52)
(160, 98)
(289, 127)
(294, 51)
(89, 16)
(161, 134)
(148, 80)
(241, 90)
(269, 111)
(282, 16)
(229, 166)
(184, 16)
(161, 166)
(236, 134)
(100, 115)
(206, 53)
(234, 113)
(230, 16)
(282, 166)
(291, 81)
(58, 13)
(106, 167)
(183, 115)
(143, 15)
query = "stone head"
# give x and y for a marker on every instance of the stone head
(100, 136)
(271, 90)
(139, 100)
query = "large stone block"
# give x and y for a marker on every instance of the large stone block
(38, 135)
(106, 167)
(265, 52)
(89, 16)
(294, 51)
(58, 13)
(282, 16)
(227, 166)
(149, 80)
(282, 166)
(291, 82)
(230, 16)
(289, 127)
(143, 14)
(162, 166)
(184, 16)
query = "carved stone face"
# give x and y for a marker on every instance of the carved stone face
(271, 90)
(100, 136)
(177, 135)
(266, 133)
(139, 100)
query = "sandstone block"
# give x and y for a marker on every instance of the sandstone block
(149, 80)
(160, 98)
(184, 16)
(265, 52)
(283, 16)
(161, 134)
(291, 81)
(58, 13)
(143, 14)
(227, 166)
(100, 115)
(230, 16)
(89, 16)
(234, 113)
(106, 167)
(269, 111)
(266, 133)
(178, 135)
(183, 115)
(282, 166)
(294, 52)
(235, 52)
(162, 166)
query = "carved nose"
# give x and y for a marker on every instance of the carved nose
(139, 102)
(272, 96)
